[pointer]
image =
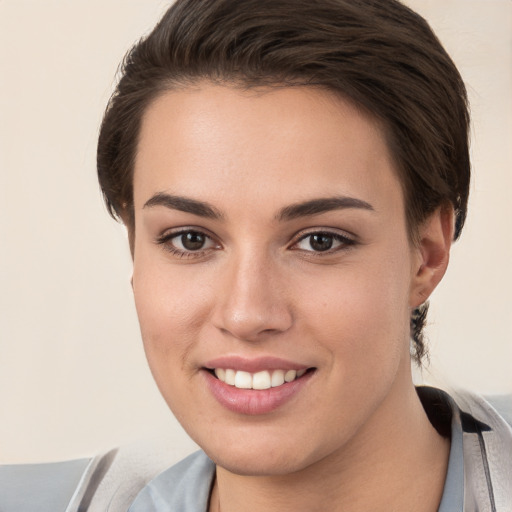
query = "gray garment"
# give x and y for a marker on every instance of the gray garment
(40, 487)
(184, 487)
(479, 477)
(453, 492)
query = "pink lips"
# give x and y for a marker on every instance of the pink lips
(253, 365)
(251, 401)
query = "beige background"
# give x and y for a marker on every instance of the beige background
(73, 379)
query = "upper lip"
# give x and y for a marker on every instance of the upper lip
(254, 365)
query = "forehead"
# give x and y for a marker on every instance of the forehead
(211, 140)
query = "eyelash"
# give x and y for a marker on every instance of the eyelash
(165, 240)
(344, 240)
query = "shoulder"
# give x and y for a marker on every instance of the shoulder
(495, 411)
(121, 474)
(109, 481)
(40, 487)
(503, 406)
(487, 444)
(185, 486)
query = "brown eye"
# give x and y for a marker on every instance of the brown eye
(321, 242)
(187, 243)
(193, 240)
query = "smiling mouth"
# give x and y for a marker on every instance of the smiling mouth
(260, 380)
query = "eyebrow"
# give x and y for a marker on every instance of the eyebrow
(321, 205)
(293, 211)
(184, 204)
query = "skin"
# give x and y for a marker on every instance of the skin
(355, 437)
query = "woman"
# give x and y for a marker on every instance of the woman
(292, 175)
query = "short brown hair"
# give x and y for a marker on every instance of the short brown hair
(378, 54)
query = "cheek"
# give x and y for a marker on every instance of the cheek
(171, 311)
(362, 313)
(171, 306)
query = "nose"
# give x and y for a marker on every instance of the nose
(251, 303)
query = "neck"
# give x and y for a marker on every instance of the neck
(398, 462)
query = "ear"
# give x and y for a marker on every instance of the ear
(435, 237)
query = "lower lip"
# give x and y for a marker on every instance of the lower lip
(251, 401)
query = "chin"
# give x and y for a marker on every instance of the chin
(268, 463)
(253, 452)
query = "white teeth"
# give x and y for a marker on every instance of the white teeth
(259, 380)
(290, 375)
(277, 378)
(220, 374)
(243, 380)
(230, 377)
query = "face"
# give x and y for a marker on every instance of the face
(273, 274)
